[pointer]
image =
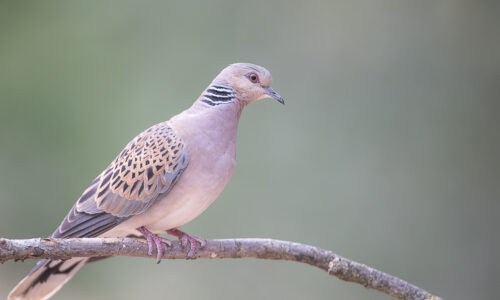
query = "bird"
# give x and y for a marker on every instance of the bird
(164, 178)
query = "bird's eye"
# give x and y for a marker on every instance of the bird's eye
(253, 77)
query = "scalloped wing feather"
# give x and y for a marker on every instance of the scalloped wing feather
(148, 166)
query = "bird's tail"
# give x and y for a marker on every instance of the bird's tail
(46, 278)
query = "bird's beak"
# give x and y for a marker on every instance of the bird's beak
(271, 93)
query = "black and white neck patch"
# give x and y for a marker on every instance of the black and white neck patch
(217, 94)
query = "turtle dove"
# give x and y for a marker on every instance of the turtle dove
(163, 179)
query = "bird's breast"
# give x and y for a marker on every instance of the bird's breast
(211, 146)
(205, 177)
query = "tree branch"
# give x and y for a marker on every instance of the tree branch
(328, 261)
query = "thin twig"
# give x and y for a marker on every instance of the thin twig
(328, 261)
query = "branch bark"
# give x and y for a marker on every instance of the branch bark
(342, 268)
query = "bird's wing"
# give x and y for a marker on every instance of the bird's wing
(148, 166)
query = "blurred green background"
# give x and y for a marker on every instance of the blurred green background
(386, 152)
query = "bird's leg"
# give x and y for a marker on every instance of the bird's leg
(150, 237)
(185, 238)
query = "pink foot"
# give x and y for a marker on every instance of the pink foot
(150, 237)
(185, 238)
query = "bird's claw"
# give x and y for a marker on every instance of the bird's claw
(150, 238)
(185, 238)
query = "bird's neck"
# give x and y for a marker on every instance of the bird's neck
(217, 125)
(217, 94)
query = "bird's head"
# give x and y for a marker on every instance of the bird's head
(249, 82)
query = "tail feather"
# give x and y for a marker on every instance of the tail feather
(46, 278)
